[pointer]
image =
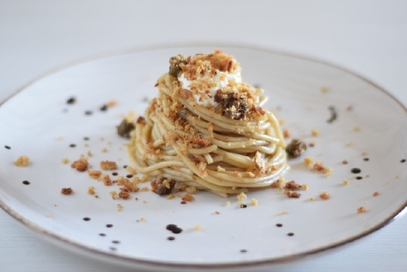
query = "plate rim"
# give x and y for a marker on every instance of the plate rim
(73, 246)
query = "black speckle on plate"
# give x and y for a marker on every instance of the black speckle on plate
(243, 206)
(88, 112)
(103, 108)
(71, 100)
(7, 147)
(86, 219)
(403, 160)
(112, 248)
(290, 234)
(129, 176)
(72, 145)
(109, 225)
(171, 238)
(26, 182)
(174, 228)
(355, 170)
(115, 173)
(102, 234)
(115, 242)
(366, 159)
(359, 177)
(279, 225)
(243, 250)
(86, 138)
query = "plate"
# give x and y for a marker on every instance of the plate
(351, 126)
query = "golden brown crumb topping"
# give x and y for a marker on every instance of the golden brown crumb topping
(22, 161)
(66, 191)
(108, 165)
(292, 194)
(325, 195)
(361, 209)
(81, 165)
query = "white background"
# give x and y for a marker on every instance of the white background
(368, 37)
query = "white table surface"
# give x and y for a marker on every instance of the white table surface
(368, 37)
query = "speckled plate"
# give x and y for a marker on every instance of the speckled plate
(359, 126)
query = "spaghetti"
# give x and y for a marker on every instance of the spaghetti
(207, 129)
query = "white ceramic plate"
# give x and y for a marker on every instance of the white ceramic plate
(370, 133)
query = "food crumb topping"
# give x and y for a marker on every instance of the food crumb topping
(81, 165)
(91, 190)
(65, 160)
(95, 174)
(66, 191)
(22, 161)
(108, 165)
(361, 209)
(325, 195)
(197, 227)
(242, 196)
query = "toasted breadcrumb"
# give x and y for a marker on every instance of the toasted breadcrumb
(111, 103)
(81, 165)
(142, 219)
(345, 182)
(311, 198)
(169, 196)
(191, 190)
(197, 227)
(361, 209)
(308, 161)
(66, 191)
(119, 207)
(108, 165)
(124, 194)
(284, 212)
(216, 212)
(325, 195)
(105, 178)
(114, 194)
(324, 89)
(227, 203)
(91, 190)
(344, 162)
(144, 189)
(65, 160)
(376, 193)
(315, 132)
(292, 185)
(95, 174)
(305, 187)
(104, 150)
(131, 170)
(89, 154)
(220, 169)
(292, 194)
(254, 202)
(242, 196)
(350, 144)
(188, 197)
(286, 133)
(356, 129)
(22, 161)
